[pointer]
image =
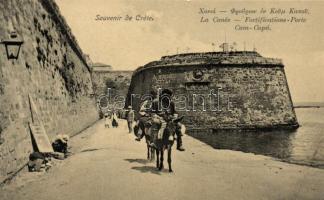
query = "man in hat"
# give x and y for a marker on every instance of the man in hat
(165, 110)
(130, 118)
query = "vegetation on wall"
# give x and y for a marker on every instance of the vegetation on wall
(70, 84)
(112, 85)
(3, 125)
(1, 140)
(1, 89)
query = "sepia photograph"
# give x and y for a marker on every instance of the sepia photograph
(161, 99)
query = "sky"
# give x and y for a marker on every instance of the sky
(177, 28)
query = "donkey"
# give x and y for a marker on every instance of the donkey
(148, 138)
(166, 142)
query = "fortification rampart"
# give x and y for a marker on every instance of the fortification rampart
(118, 81)
(247, 90)
(51, 69)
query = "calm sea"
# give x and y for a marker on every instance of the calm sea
(303, 146)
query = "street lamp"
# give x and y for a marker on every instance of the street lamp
(12, 46)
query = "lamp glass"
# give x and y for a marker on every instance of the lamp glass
(12, 50)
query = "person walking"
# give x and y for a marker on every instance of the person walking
(107, 120)
(114, 122)
(130, 118)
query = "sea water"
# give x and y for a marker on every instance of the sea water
(304, 146)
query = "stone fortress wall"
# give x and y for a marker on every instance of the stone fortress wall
(118, 80)
(51, 69)
(252, 90)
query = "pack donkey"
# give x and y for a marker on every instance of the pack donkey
(166, 142)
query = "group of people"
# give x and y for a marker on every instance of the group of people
(157, 109)
(39, 161)
(111, 119)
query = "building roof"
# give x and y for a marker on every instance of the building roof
(100, 67)
(98, 64)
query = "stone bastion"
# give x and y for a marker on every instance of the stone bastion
(238, 90)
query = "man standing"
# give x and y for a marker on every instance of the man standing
(130, 118)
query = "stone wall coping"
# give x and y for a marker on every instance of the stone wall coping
(218, 59)
(213, 54)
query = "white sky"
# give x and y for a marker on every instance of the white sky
(128, 45)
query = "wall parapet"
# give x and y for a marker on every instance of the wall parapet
(221, 59)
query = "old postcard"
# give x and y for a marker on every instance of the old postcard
(161, 99)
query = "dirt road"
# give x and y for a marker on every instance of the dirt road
(109, 164)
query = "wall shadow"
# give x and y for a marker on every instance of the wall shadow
(277, 143)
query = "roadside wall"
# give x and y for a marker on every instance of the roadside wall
(51, 69)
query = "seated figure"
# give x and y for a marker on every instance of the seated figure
(60, 144)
